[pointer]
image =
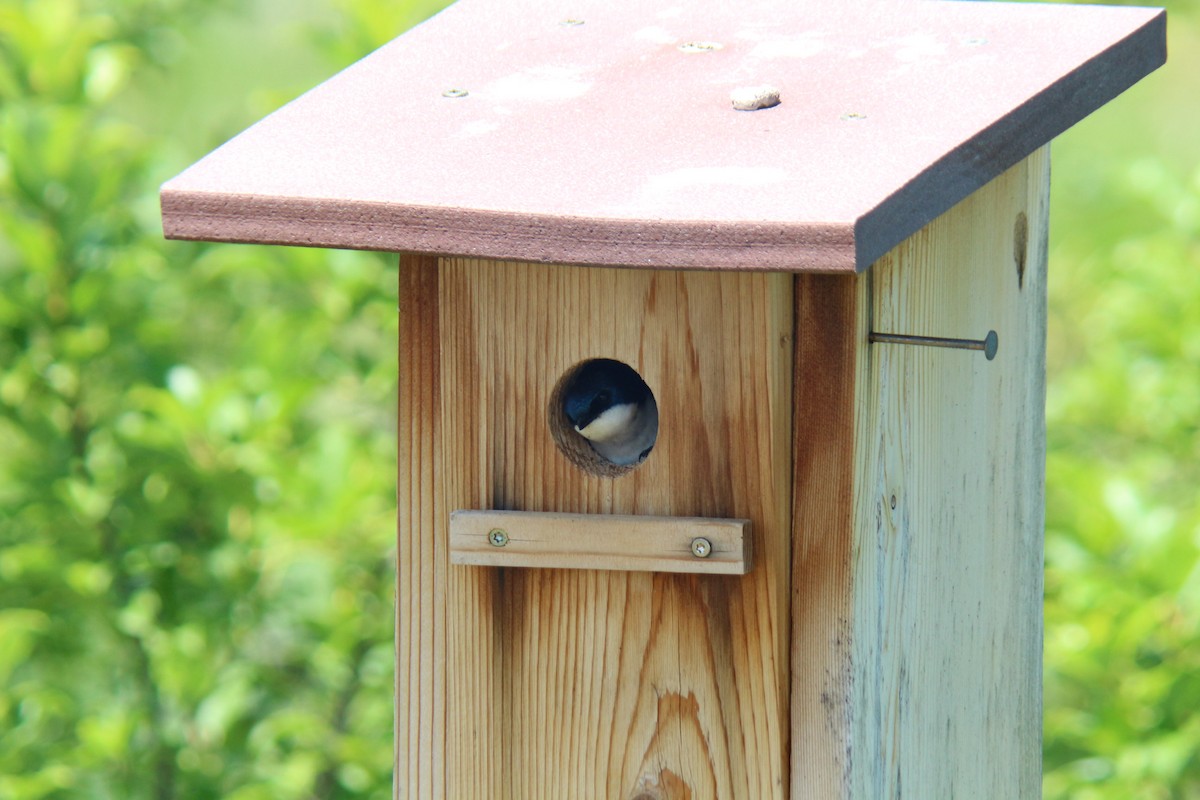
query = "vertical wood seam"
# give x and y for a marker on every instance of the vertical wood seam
(829, 355)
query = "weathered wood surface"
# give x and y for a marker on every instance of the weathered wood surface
(831, 372)
(588, 683)
(640, 543)
(891, 112)
(919, 507)
(421, 557)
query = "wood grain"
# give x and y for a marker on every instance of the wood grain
(918, 562)
(916, 576)
(588, 683)
(953, 568)
(600, 541)
(831, 331)
(421, 554)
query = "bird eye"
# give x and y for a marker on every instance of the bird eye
(582, 396)
(600, 402)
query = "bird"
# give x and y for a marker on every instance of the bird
(609, 404)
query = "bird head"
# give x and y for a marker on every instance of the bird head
(610, 405)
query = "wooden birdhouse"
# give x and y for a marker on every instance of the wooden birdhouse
(814, 237)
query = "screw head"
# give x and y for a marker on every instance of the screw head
(571, 23)
(701, 547)
(700, 47)
(455, 93)
(497, 537)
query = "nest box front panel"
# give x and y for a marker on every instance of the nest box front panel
(587, 683)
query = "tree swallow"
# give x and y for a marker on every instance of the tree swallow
(610, 405)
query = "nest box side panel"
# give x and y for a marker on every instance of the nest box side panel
(954, 571)
(588, 683)
(924, 626)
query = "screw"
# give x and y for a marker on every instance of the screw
(571, 23)
(497, 537)
(700, 47)
(455, 93)
(853, 116)
(701, 547)
(989, 344)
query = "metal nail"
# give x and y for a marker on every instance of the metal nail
(988, 345)
(701, 547)
(497, 537)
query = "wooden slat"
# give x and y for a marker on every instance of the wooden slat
(421, 553)
(600, 541)
(831, 331)
(603, 684)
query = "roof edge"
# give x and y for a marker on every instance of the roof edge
(361, 225)
(1012, 138)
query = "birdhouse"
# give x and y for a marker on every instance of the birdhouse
(721, 380)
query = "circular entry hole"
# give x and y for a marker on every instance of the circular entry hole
(603, 417)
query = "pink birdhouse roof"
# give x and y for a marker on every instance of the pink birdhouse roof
(603, 131)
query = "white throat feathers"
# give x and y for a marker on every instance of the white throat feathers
(624, 433)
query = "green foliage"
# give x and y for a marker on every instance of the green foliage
(1123, 463)
(197, 442)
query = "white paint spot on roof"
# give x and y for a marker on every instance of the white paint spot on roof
(545, 84)
(654, 34)
(789, 47)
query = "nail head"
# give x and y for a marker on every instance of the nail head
(991, 343)
(700, 47)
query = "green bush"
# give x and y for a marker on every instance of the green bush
(1123, 463)
(197, 443)
(197, 453)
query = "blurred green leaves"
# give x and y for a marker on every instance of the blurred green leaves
(197, 456)
(1123, 463)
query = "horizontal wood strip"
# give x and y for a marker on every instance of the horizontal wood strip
(600, 541)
